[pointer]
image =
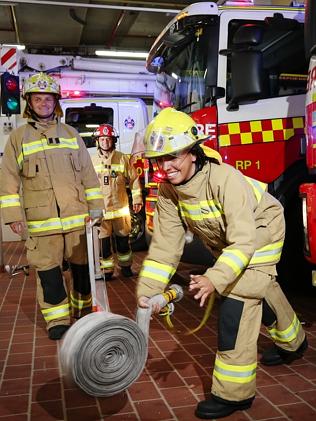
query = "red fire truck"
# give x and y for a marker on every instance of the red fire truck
(240, 70)
(308, 190)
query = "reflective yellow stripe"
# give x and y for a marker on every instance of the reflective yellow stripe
(75, 221)
(124, 257)
(206, 209)
(157, 271)
(20, 160)
(47, 225)
(80, 304)
(267, 254)
(42, 145)
(56, 312)
(119, 213)
(288, 334)
(107, 263)
(51, 224)
(235, 259)
(98, 168)
(117, 167)
(94, 193)
(136, 192)
(259, 188)
(234, 373)
(10, 201)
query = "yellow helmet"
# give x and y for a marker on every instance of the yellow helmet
(170, 132)
(41, 83)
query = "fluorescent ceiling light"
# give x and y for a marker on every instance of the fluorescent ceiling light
(92, 126)
(121, 54)
(17, 46)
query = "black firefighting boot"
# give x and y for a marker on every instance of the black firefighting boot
(218, 408)
(56, 332)
(277, 356)
(127, 271)
(107, 276)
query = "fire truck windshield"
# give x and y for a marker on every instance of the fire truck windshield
(186, 63)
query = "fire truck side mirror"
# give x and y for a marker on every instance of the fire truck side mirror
(247, 77)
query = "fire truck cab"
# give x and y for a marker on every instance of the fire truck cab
(240, 70)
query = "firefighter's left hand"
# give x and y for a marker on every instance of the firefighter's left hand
(203, 285)
(137, 208)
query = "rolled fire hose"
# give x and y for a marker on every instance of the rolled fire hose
(104, 353)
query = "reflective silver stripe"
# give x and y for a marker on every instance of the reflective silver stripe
(94, 193)
(98, 168)
(234, 373)
(41, 145)
(157, 271)
(235, 259)
(288, 334)
(119, 213)
(56, 312)
(51, 224)
(48, 225)
(10, 201)
(75, 221)
(259, 188)
(270, 253)
(206, 209)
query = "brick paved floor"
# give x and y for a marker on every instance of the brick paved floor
(177, 373)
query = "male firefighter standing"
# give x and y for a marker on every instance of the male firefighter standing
(59, 190)
(115, 172)
(244, 227)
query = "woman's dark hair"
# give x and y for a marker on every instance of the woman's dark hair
(201, 158)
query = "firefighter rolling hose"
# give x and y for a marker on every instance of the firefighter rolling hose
(104, 353)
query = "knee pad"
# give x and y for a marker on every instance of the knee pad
(81, 278)
(106, 247)
(268, 316)
(122, 244)
(53, 285)
(228, 324)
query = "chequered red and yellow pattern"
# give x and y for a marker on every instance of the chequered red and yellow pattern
(259, 131)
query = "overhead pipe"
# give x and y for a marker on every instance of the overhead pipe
(94, 6)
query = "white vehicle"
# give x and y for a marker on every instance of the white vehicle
(127, 115)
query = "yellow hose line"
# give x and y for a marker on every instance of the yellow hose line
(206, 315)
(168, 321)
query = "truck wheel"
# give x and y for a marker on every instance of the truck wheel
(294, 271)
(137, 235)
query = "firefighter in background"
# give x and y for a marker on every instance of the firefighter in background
(244, 226)
(115, 173)
(59, 190)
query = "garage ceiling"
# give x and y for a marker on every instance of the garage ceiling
(79, 27)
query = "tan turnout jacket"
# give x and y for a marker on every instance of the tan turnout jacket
(59, 184)
(233, 215)
(115, 173)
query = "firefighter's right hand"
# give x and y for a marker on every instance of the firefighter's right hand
(143, 303)
(18, 227)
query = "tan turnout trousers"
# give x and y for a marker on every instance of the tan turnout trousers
(234, 374)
